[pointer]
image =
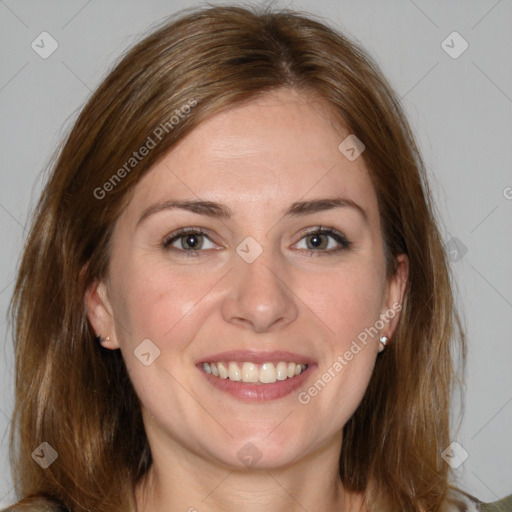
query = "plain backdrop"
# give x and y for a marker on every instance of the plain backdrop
(459, 105)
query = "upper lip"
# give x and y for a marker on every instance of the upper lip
(257, 357)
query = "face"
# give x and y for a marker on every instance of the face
(255, 245)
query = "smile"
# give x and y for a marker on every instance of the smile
(252, 373)
(256, 376)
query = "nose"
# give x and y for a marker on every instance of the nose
(259, 297)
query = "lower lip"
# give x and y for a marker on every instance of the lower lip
(258, 392)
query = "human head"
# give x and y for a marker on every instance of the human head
(253, 54)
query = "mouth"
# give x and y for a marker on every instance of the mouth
(256, 376)
(252, 373)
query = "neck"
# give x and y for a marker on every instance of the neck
(182, 480)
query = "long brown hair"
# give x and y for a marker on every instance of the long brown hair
(78, 397)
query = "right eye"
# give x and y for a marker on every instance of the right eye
(191, 240)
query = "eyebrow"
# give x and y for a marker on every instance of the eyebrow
(208, 208)
(319, 205)
(220, 211)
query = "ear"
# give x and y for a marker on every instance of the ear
(100, 314)
(395, 295)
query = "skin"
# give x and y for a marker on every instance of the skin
(256, 159)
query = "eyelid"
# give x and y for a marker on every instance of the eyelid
(178, 233)
(338, 236)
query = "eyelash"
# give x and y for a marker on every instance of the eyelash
(340, 238)
(344, 244)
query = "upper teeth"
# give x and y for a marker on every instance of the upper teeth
(251, 372)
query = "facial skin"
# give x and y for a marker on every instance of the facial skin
(257, 160)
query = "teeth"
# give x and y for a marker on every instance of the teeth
(253, 373)
(281, 371)
(223, 371)
(234, 372)
(268, 373)
(250, 372)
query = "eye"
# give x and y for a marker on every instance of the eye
(325, 240)
(189, 240)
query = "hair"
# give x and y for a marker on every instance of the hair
(77, 396)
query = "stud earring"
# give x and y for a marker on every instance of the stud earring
(383, 340)
(99, 339)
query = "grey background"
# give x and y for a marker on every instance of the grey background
(460, 109)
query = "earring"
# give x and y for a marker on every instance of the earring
(99, 339)
(383, 340)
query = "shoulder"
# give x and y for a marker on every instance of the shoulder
(503, 505)
(462, 501)
(35, 505)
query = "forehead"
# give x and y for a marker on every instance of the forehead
(277, 149)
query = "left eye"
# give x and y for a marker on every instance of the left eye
(330, 241)
(189, 241)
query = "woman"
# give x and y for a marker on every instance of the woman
(234, 294)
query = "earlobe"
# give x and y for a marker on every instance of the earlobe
(100, 315)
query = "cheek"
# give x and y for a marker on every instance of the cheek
(347, 300)
(167, 308)
(349, 305)
(155, 301)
